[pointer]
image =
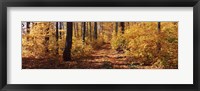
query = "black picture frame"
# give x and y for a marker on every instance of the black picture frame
(99, 3)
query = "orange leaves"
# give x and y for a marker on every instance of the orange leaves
(142, 39)
(140, 46)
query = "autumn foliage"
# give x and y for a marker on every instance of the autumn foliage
(101, 45)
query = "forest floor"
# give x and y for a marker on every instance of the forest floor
(101, 58)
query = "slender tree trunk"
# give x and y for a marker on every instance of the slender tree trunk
(122, 26)
(102, 28)
(158, 43)
(74, 29)
(68, 45)
(116, 28)
(86, 29)
(77, 30)
(61, 24)
(158, 27)
(95, 30)
(83, 32)
(98, 27)
(90, 30)
(59, 28)
(81, 29)
(57, 38)
(28, 27)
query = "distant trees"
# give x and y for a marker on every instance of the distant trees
(82, 31)
(68, 45)
(75, 29)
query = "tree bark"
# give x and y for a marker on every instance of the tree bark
(158, 27)
(158, 43)
(122, 26)
(61, 25)
(116, 28)
(68, 45)
(77, 30)
(95, 30)
(86, 29)
(57, 38)
(90, 30)
(28, 27)
(83, 33)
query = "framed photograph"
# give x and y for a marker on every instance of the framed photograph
(91, 45)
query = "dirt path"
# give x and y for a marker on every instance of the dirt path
(106, 57)
(103, 58)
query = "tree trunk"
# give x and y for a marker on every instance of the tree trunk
(81, 29)
(158, 27)
(98, 27)
(122, 26)
(83, 32)
(90, 30)
(28, 27)
(116, 27)
(61, 25)
(95, 30)
(86, 29)
(74, 29)
(102, 27)
(158, 43)
(57, 38)
(77, 30)
(68, 45)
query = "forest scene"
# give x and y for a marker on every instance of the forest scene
(99, 45)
